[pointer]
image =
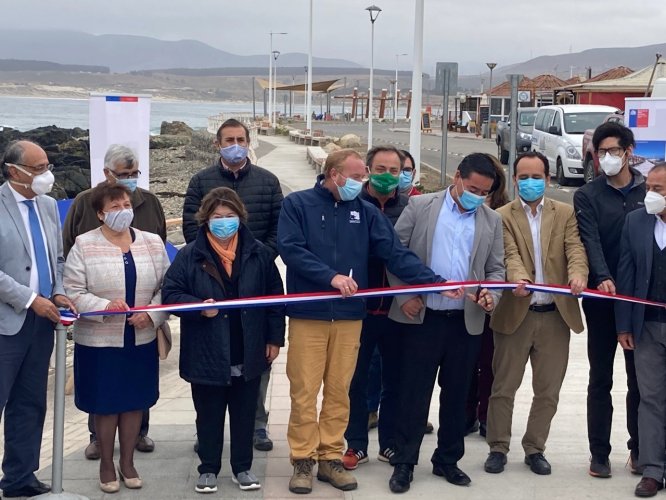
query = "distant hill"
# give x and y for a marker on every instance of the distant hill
(563, 65)
(124, 53)
(19, 65)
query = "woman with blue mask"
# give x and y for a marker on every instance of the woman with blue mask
(223, 353)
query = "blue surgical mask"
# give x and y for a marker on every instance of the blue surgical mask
(405, 180)
(531, 189)
(130, 184)
(234, 154)
(470, 201)
(350, 190)
(224, 227)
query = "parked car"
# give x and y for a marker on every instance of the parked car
(590, 159)
(558, 134)
(523, 139)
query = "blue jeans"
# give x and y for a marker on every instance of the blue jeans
(382, 333)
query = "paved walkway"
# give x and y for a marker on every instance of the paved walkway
(170, 472)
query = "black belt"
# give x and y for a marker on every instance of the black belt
(448, 313)
(543, 308)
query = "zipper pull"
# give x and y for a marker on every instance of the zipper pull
(323, 220)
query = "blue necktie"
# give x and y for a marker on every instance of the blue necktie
(40, 251)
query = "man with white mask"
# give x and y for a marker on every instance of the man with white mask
(641, 329)
(31, 266)
(601, 207)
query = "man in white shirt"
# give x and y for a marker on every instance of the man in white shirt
(642, 273)
(31, 291)
(542, 245)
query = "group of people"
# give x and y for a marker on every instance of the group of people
(360, 226)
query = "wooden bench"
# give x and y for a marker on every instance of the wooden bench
(316, 157)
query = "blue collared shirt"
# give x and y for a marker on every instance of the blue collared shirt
(451, 249)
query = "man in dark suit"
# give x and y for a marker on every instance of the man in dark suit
(459, 238)
(31, 265)
(642, 273)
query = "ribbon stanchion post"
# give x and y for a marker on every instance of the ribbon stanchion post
(59, 421)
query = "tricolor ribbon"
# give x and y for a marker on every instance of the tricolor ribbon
(295, 298)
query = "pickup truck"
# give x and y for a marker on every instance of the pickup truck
(523, 139)
(590, 160)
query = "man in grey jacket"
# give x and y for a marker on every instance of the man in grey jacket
(31, 265)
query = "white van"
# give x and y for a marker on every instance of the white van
(558, 134)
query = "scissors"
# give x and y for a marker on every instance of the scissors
(478, 289)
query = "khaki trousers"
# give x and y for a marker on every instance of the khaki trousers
(320, 351)
(543, 339)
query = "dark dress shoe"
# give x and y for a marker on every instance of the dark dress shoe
(648, 487)
(145, 444)
(472, 427)
(403, 474)
(30, 490)
(495, 462)
(452, 474)
(538, 464)
(482, 429)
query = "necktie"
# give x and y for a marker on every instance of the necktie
(40, 251)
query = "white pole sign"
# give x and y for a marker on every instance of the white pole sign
(119, 119)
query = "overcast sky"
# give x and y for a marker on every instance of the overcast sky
(470, 32)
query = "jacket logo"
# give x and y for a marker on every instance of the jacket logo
(354, 217)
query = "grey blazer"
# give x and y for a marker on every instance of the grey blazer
(416, 227)
(15, 260)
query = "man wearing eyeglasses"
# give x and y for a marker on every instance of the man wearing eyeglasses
(31, 265)
(601, 207)
(121, 166)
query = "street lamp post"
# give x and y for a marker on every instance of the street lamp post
(491, 66)
(374, 11)
(274, 111)
(270, 76)
(305, 104)
(395, 91)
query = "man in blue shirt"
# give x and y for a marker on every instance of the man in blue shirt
(460, 238)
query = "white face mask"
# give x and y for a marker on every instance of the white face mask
(654, 203)
(41, 184)
(611, 165)
(119, 220)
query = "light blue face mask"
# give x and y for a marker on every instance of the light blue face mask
(130, 184)
(471, 201)
(350, 190)
(531, 189)
(405, 180)
(234, 154)
(224, 227)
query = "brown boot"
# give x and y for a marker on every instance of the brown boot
(333, 472)
(301, 480)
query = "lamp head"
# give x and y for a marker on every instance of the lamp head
(276, 54)
(374, 11)
(491, 65)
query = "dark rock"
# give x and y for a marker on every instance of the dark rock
(168, 141)
(175, 128)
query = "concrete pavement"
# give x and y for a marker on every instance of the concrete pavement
(170, 472)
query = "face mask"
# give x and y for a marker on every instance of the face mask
(611, 165)
(531, 189)
(234, 154)
(224, 227)
(384, 183)
(470, 201)
(130, 184)
(350, 190)
(405, 180)
(41, 184)
(654, 203)
(119, 220)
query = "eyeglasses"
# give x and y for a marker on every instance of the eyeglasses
(356, 178)
(36, 170)
(616, 151)
(131, 175)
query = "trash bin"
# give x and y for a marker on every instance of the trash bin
(484, 130)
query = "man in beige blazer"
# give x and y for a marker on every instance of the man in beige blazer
(455, 234)
(542, 245)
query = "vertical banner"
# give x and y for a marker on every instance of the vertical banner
(119, 119)
(646, 117)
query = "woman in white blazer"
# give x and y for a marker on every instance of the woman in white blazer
(116, 267)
